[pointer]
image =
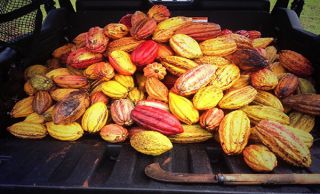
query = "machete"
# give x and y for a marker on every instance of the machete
(154, 171)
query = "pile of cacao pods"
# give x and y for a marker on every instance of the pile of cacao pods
(158, 80)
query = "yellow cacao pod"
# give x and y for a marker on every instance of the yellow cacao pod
(177, 65)
(284, 143)
(58, 72)
(60, 93)
(95, 117)
(191, 134)
(261, 42)
(28, 130)
(305, 87)
(220, 46)
(69, 132)
(259, 158)
(225, 76)
(34, 118)
(207, 97)
(302, 121)
(151, 143)
(125, 80)
(267, 99)
(234, 132)
(304, 136)
(114, 89)
(156, 89)
(256, 113)
(136, 95)
(22, 108)
(185, 46)
(238, 98)
(277, 69)
(243, 81)
(271, 54)
(183, 109)
(212, 60)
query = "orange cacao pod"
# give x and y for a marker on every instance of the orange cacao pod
(41, 102)
(143, 28)
(115, 30)
(114, 133)
(306, 103)
(126, 44)
(234, 132)
(27, 87)
(164, 51)
(264, 79)
(200, 31)
(98, 97)
(22, 108)
(63, 51)
(71, 81)
(155, 70)
(211, 119)
(156, 89)
(287, 85)
(81, 58)
(191, 81)
(295, 63)
(121, 62)
(159, 13)
(96, 41)
(136, 17)
(80, 40)
(121, 110)
(102, 71)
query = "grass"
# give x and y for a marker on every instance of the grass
(309, 18)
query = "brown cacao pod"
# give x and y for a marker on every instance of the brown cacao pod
(156, 89)
(283, 143)
(302, 121)
(71, 81)
(287, 85)
(159, 13)
(220, 46)
(211, 119)
(295, 63)
(267, 99)
(238, 98)
(177, 65)
(248, 59)
(185, 46)
(200, 31)
(22, 108)
(71, 108)
(192, 80)
(156, 119)
(259, 158)
(120, 112)
(136, 17)
(225, 76)
(234, 132)
(41, 102)
(264, 79)
(126, 44)
(256, 113)
(143, 28)
(114, 133)
(305, 103)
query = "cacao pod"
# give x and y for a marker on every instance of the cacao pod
(28, 130)
(71, 81)
(156, 89)
(96, 41)
(57, 72)
(115, 30)
(41, 102)
(159, 13)
(60, 93)
(212, 60)
(164, 51)
(98, 97)
(185, 46)
(192, 80)
(69, 132)
(141, 81)
(121, 62)
(114, 89)
(234, 131)
(126, 44)
(261, 42)
(200, 31)
(256, 113)
(135, 95)
(243, 81)
(295, 63)
(241, 41)
(41, 82)
(143, 28)
(22, 108)
(304, 136)
(302, 121)
(81, 58)
(177, 65)
(220, 46)
(238, 98)
(33, 70)
(305, 103)
(95, 117)
(27, 87)
(34, 118)
(125, 80)
(183, 109)
(271, 54)
(259, 158)
(277, 69)
(283, 143)
(114, 133)
(267, 99)
(191, 134)
(211, 119)
(126, 20)
(156, 119)
(70, 108)
(207, 97)
(150, 143)
(225, 76)
(121, 111)
(253, 34)
(155, 70)
(145, 53)
(305, 87)
(287, 85)
(102, 71)
(80, 40)
(136, 17)
(264, 79)
(155, 104)
(62, 52)
(248, 59)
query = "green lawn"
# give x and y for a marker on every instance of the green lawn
(310, 16)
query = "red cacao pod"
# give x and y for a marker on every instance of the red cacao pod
(82, 58)
(156, 119)
(145, 53)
